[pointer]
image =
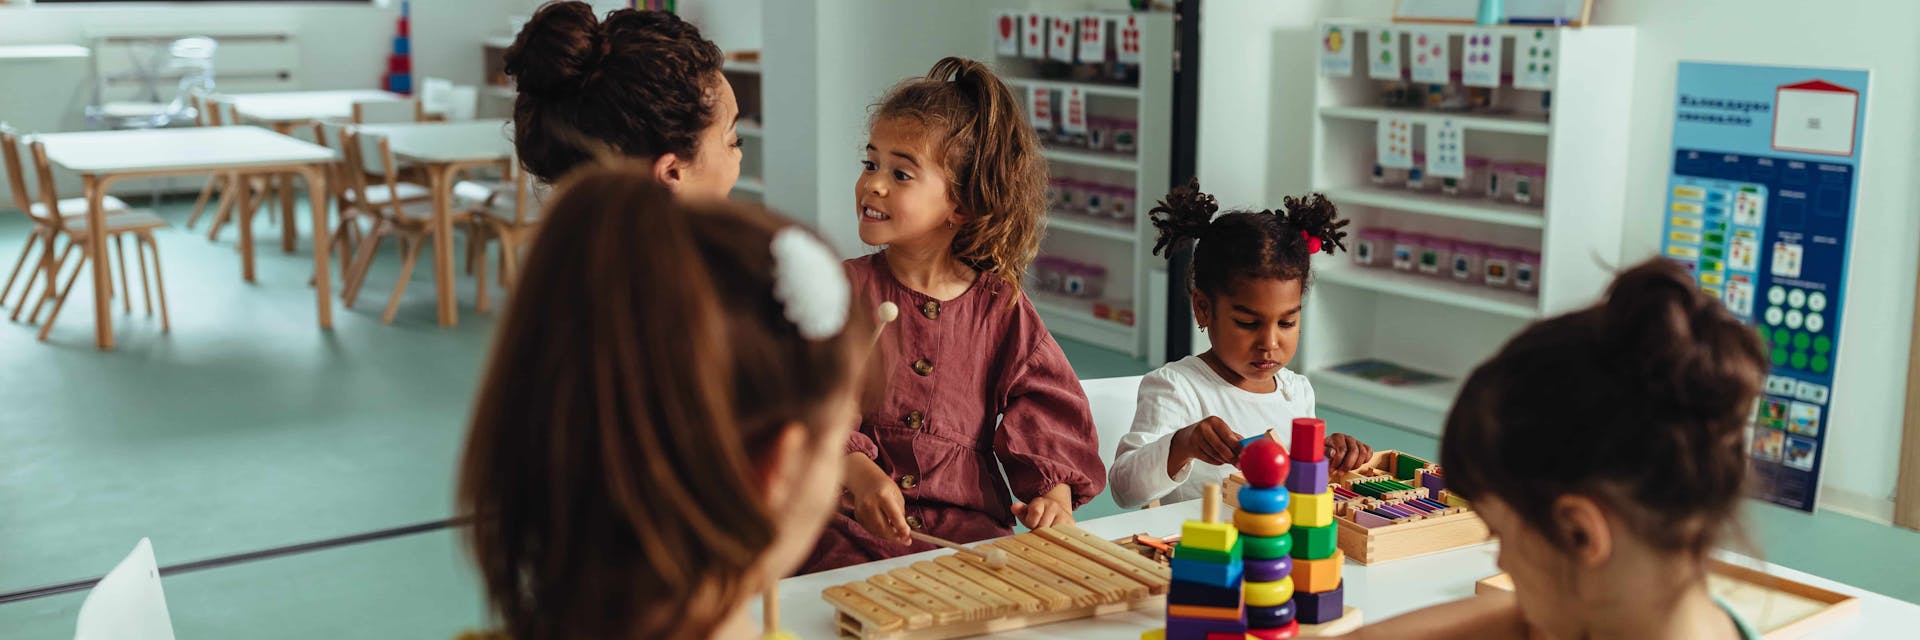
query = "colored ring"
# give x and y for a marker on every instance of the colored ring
(1259, 500)
(1269, 594)
(1262, 524)
(1264, 570)
(1267, 547)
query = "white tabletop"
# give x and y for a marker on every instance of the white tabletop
(305, 106)
(474, 141)
(1381, 591)
(210, 148)
(44, 52)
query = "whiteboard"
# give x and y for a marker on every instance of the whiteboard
(1468, 11)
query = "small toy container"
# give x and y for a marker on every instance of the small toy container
(1083, 280)
(1120, 205)
(1384, 176)
(1406, 250)
(1126, 134)
(1417, 176)
(1047, 275)
(1057, 194)
(1473, 168)
(1434, 256)
(1526, 271)
(1466, 260)
(1495, 183)
(1095, 201)
(1099, 134)
(1369, 244)
(1497, 268)
(1073, 197)
(1529, 183)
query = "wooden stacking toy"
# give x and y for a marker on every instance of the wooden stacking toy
(1265, 516)
(1205, 599)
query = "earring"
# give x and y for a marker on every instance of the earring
(949, 224)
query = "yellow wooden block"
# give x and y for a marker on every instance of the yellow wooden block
(1456, 501)
(1262, 524)
(1211, 536)
(1318, 576)
(1270, 594)
(1311, 509)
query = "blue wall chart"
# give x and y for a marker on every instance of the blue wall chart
(1759, 205)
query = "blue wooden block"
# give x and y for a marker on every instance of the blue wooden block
(1208, 573)
(1269, 617)
(1320, 608)
(1259, 570)
(1200, 595)
(1198, 628)
(1307, 477)
(1257, 500)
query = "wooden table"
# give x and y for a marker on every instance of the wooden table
(285, 111)
(1381, 591)
(445, 149)
(105, 157)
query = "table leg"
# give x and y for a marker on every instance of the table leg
(441, 179)
(247, 209)
(288, 230)
(97, 244)
(317, 192)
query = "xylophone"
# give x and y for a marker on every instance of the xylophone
(1052, 574)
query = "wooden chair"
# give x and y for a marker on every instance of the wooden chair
(240, 193)
(202, 117)
(412, 221)
(356, 205)
(42, 234)
(73, 225)
(389, 111)
(506, 211)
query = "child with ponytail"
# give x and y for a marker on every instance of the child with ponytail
(953, 189)
(1250, 274)
(1603, 448)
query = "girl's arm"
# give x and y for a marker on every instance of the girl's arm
(1142, 464)
(1046, 436)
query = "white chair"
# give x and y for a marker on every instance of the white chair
(127, 604)
(1113, 405)
(45, 232)
(505, 210)
(387, 111)
(74, 225)
(436, 97)
(190, 58)
(370, 157)
(463, 103)
(240, 193)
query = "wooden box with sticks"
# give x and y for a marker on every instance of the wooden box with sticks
(1395, 506)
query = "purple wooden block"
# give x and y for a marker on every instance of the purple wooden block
(1434, 484)
(1198, 628)
(1268, 570)
(1368, 520)
(1316, 608)
(1307, 478)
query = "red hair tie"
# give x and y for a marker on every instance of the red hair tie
(1313, 244)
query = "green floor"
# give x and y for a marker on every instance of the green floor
(247, 428)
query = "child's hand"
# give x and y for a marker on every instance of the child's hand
(1210, 441)
(1053, 507)
(1346, 453)
(877, 503)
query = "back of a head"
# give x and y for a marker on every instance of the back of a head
(610, 463)
(1637, 402)
(991, 153)
(637, 84)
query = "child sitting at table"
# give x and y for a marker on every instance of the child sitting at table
(1250, 274)
(658, 434)
(953, 187)
(1604, 450)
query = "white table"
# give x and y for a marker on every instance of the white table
(104, 157)
(1380, 591)
(445, 149)
(285, 111)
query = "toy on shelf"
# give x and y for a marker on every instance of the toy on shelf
(1448, 258)
(1052, 574)
(1067, 277)
(399, 76)
(1394, 506)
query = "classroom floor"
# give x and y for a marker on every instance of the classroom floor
(245, 428)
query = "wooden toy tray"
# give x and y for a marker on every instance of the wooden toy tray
(1403, 539)
(1778, 608)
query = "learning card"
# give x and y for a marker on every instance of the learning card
(1480, 60)
(1432, 61)
(1093, 39)
(1063, 45)
(1040, 108)
(1336, 52)
(1129, 50)
(1033, 36)
(1383, 55)
(1446, 149)
(1393, 141)
(1006, 33)
(1074, 119)
(1535, 58)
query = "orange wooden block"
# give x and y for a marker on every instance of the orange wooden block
(1207, 613)
(1317, 576)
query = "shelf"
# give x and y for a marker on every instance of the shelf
(749, 129)
(1520, 124)
(750, 185)
(1085, 225)
(740, 67)
(1444, 206)
(1073, 318)
(1093, 159)
(1422, 407)
(1515, 304)
(1089, 88)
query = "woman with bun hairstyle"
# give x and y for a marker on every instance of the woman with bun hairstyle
(636, 84)
(1604, 450)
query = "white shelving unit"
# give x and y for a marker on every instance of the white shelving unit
(1443, 326)
(1124, 248)
(747, 84)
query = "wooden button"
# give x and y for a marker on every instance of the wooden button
(909, 481)
(916, 420)
(931, 309)
(913, 522)
(923, 366)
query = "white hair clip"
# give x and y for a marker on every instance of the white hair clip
(809, 281)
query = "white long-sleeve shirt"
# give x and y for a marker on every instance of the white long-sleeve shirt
(1180, 394)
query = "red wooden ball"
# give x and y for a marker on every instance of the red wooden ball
(1264, 463)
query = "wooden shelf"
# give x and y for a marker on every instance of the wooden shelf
(1093, 159)
(750, 185)
(1073, 318)
(1421, 407)
(1519, 124)
(1089, 88)
(1515, 304)
(1085, 225)
(1444, 206)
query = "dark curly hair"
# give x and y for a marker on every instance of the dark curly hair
(1247, 244)
(637, 83)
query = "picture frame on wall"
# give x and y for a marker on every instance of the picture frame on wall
(1575, 13)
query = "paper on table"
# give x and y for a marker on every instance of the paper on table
(128, 604)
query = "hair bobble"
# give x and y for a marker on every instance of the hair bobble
(810, 283)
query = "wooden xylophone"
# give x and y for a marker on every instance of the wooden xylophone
(1053, 574)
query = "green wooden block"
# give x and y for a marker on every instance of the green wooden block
(1406, 467)
(1315, 543)
(1267, 547)
(1197, 554)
